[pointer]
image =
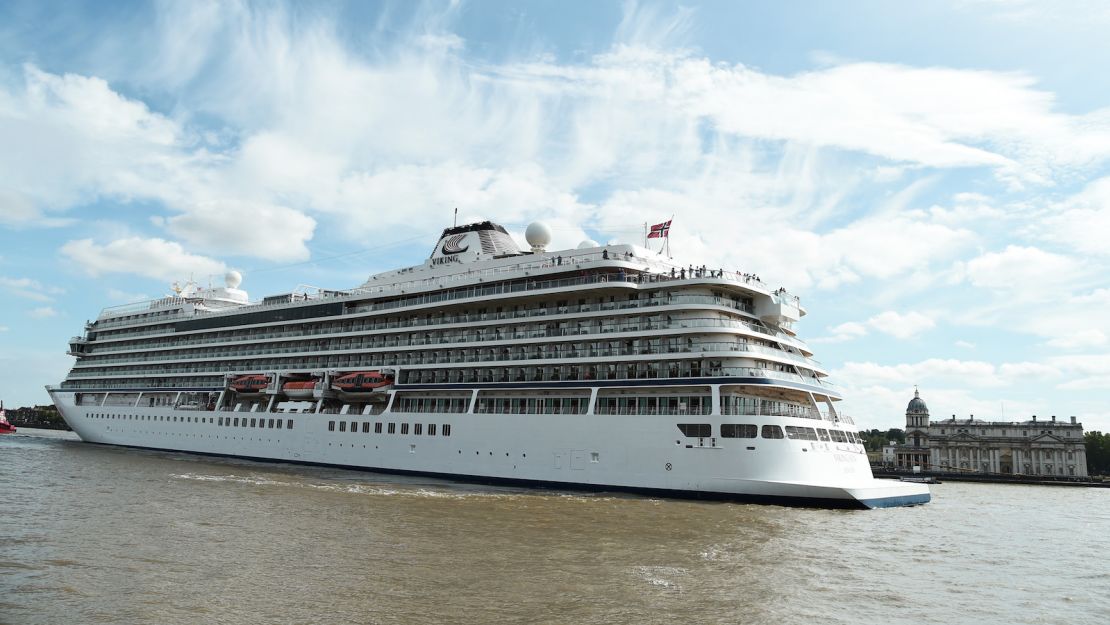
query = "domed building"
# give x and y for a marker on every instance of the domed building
(1033, 448)
(915, 453)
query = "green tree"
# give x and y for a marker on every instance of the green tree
(874, 439)
(1098, 452)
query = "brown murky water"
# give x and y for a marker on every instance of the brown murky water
(92, 534)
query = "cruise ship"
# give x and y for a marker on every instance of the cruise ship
(604, 367)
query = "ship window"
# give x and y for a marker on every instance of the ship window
(417, 428)
(838, 436)
(354, 427)
(738, 430)
(800, 433)
(378, 428)
(270, 424)
(289, 424)
(700, 430)
(331, 426)
(278, 424)
(254, 422)
(392, 428)
(772, 431)
(447, 429)
(431, 429)
(366, 427)
(236, 424)
(823, 434)
(404, 428)
(342, 426)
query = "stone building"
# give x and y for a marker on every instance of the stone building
(1034, 447)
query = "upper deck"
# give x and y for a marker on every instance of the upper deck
(432, 282)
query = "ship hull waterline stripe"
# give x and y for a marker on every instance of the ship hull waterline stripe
(794, 502)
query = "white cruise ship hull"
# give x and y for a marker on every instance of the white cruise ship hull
(635, 453)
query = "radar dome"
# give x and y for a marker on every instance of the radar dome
(233, 279)
(538, 235)
(588, 243)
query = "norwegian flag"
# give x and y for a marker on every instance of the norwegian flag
(660, 231)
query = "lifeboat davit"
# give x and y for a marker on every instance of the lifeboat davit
(299, 389)
(362, 382)
(252, 383)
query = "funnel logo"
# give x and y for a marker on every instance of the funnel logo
(451, 245)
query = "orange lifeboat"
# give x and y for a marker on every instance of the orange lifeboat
(298, 388)
(251, 383)
(362, 382)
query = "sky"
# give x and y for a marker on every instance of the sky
(932, 179)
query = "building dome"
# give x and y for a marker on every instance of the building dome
(917, 405)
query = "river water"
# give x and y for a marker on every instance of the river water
(92, 534)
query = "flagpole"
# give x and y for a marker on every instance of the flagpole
(672, 220)
(670, 223)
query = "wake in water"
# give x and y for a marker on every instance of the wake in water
(421, 492)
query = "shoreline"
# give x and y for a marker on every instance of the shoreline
(1038, 480)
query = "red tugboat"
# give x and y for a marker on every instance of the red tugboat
(252, 383)
(5, 427)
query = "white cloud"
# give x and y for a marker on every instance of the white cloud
(246, 228)
(898, 325)
(43, 312)
(844, 332)
(1017, 267)
(1080, 222)
(4, 328)
(973, 373)
(317, 131)
(30, 289)
(154, 258)
(965, 344)
(1078, 339)
(125, 297)
(877, 394)
(84, 141)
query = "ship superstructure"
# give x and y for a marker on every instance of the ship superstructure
(604, 367)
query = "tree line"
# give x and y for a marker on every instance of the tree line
(1098, 452)
(43, 417)
(875, 439)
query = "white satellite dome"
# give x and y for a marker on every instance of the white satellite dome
(233, 279)
(588, 243)
(538, 235)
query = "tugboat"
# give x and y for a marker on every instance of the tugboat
(5, 426)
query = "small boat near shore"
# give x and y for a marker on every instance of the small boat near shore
(919, 479)
(5, 426)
